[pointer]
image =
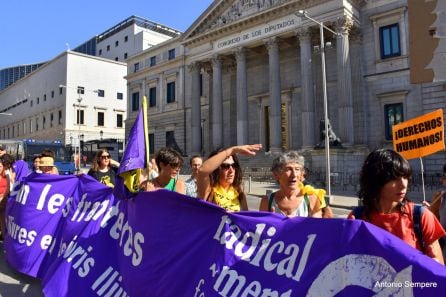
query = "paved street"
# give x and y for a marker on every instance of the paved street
(14, 284)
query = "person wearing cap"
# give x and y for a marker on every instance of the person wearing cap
(46, 165)
(2, 150)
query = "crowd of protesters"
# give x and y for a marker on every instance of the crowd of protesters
(384, 179)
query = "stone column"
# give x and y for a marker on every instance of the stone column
(217, 104)
(242, 97)
(344, 82)
(194, 69)
(274, 92)
(308, 100)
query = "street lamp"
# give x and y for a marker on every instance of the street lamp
(303, 13)
(78, 121)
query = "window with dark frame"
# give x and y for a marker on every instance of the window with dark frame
(171, 54)
(135, 67)
(60, 117)
(126, 38)
(125, 55)
(153, 61)
(389, 37)
(116, 43)
(393, 114)
(101, 93)
(152, 97)
(119, 120)
(135, 101)
(80, 90)
(151, 143)
(80, 117)
(170, 92)
(119, 96)
(101, 119)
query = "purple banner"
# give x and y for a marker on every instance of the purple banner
(81, 241)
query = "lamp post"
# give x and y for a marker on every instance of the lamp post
(303, 13)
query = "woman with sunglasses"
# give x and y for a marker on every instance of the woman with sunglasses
(102, 170)
(169, 163)
(220, 177)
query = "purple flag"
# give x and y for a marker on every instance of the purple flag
(135, 152)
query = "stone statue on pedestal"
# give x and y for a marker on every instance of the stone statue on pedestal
(332, 138)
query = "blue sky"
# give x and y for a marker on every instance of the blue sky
(33, 31)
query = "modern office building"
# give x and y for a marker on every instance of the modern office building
(251, 72)
(72, 95)
(10, 75)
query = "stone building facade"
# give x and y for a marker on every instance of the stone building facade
(250, 71)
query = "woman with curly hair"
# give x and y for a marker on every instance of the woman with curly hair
(383, 182)
(220, 177)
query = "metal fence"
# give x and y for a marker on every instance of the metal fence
(345, 181)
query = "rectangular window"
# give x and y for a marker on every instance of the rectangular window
(119, 120)
(108, 48)
(171, 54)
(170, 92)
(101, 93)
(153, 61)
(100, 52)
(126, 38)
(393, 114)
(125, 56)
(100, 119)
(151, 143)
(80, 117)
(60, 117)
(116, 43)
(43, 122)
(119, 96)
(51, 119)
(38, 100)
(60, 90)
(52, 94)
(389, 41)
(81, 90)
(135, 67)
(44, 97)
(135, 101)
(152, 97)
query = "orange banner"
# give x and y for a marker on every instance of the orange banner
(421, 136)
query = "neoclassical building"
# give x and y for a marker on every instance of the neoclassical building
(250, 71)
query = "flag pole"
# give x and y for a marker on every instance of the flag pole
(146, 134)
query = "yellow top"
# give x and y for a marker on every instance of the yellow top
(226, 199)
(309, 190)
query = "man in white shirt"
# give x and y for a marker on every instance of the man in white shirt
(191, 183)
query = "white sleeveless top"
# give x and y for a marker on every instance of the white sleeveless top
(303, 210)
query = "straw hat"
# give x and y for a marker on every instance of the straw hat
(46, 162)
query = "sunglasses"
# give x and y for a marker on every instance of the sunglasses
(105, 157)
(226, 166)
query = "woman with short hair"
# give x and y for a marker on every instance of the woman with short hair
(383, 182)
(169, 163)
(290, 200)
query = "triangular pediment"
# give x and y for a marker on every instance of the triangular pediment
(222, 13)
(224, 16)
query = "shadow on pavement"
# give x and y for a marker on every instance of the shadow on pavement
(16, 284)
